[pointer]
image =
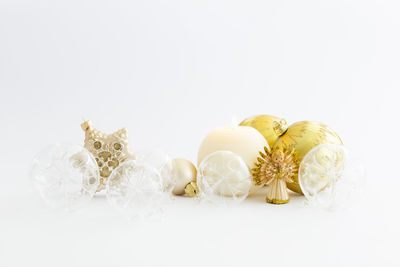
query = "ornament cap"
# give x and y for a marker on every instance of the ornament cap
(280, 127)
(191, 189)
(87, 125)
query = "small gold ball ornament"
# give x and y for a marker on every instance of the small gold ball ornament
(184, 175)
(263, 124)
(298, 139)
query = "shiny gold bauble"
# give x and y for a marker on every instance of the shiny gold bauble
(263, 124)
(300, 138)
(184, 174)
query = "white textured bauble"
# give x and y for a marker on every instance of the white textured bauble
(244, 141)
(66, 176)
(330, 177)
(222, 175)
(136, 190)
(183, 172)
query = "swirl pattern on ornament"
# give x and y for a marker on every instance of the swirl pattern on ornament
(135, 190)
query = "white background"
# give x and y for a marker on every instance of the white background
(171, 71)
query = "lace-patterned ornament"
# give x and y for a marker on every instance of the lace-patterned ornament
(223, 178)
(331, 177)
(109, 150)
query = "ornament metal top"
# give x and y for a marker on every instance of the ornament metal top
(109, 150)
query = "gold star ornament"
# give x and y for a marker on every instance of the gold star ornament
(109, 150)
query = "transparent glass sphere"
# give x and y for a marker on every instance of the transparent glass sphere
(160, 162)
(330, 177)
(135, 190)
(223, 178)
(66, 176)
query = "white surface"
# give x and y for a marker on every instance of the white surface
(171, 71)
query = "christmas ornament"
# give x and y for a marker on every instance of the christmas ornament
(279, 168)
(299, 139)
(66, 176)
(330, 177)
(183, 175)
(223, 176)
(275, 169)
(109, 150)
(263, 124)
(159, 161)
(135, 190)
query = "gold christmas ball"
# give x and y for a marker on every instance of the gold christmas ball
(299, 138)
(263, 124)
(184, 174)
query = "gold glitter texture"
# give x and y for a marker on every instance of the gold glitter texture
(275, 169)
(109, 150)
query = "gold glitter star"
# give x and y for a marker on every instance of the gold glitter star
(109, 150)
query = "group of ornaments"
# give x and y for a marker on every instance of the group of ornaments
(263, 152)
(273, 152)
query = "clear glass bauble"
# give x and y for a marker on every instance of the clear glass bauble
(223, 177)
(330, 177)
(135, 189)
(66, 176)
(161, 163)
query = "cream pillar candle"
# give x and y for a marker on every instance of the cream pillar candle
(244, 141)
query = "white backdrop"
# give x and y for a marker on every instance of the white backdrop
(171, 71)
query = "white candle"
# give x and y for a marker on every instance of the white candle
(244, 141)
